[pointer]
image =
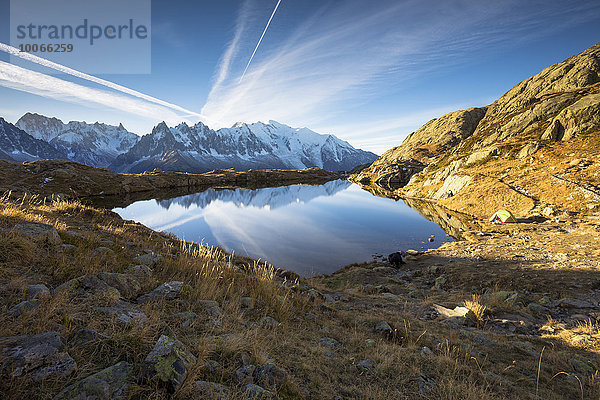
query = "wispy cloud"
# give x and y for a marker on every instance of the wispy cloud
(25, 80)
(350, 52)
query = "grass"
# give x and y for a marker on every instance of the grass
(454, 368)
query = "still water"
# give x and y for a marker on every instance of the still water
(308, 229)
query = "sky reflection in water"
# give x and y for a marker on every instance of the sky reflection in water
(308, 229)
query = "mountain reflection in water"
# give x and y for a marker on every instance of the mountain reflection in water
(309, 229)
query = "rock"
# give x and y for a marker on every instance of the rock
(142, 272)
(87, 285)
(125, 314)
(127, 285)
(23, 307)
(440, 282)
(211, 307)
(390, 297)
(426, 351)
(383, 327)
(329, 342)
(66, 248)
(431, 240)
(185, 319)
(166, 291)
(248, 302)
(268, 322)
(148, 259)
(112, 383)
(537, 309)
(395, 259)
(211, 390)
(547, 302)
(269, 375)
(39, 356)
(574, 303)
(583, 365)
(105, 251)
(370, 342)
(38, 231)
(575, 119)
(39, 291)
(365, 366)
(528, 150)
(168, 363)
(256, 392)
(462, 312)
(548, 211)
(244, 375)
(452, 185)
(85, 336)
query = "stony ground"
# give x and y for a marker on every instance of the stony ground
(97, 307)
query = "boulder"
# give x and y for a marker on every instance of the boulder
(37, 292)
(168, 363)
(384, 328)
(166, 291)
(112, 383)
(244, 375)
(38, 356)
(127, 285)
(365, 366)
(38, 231)
(125, 314)
(452, 185)
(148, 259)
(23, 307)
(87, 285)
(269, 375)
(212, 307)
(256, 392)
(211, 390)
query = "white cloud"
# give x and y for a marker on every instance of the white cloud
(350, 52)
(22, 79)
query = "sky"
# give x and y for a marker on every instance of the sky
(367, 72)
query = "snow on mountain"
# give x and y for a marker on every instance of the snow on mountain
(198, 149)
(269, 197)
(17, 145)
(92, 144)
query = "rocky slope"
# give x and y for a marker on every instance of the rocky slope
(17, 145)
(91, 144)
(199, 149)
(68, 180)
(473, 160)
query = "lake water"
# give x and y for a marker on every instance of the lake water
(308, 229)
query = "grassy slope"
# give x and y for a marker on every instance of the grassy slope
(459, 367)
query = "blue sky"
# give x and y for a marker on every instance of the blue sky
(368, 72)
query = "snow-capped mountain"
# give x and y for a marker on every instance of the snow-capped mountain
(198, 149)
(269, 197)
(17, 145)
(92, 144)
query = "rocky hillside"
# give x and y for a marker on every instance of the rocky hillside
(17, 145)
(533, 149)
(91, 144)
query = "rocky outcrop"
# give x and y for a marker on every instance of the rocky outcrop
(561, 103)
(112, 383)
(38, 356)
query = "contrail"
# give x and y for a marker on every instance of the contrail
(260, 40)
(61, 68)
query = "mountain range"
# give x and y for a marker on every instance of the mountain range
(184, 148)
